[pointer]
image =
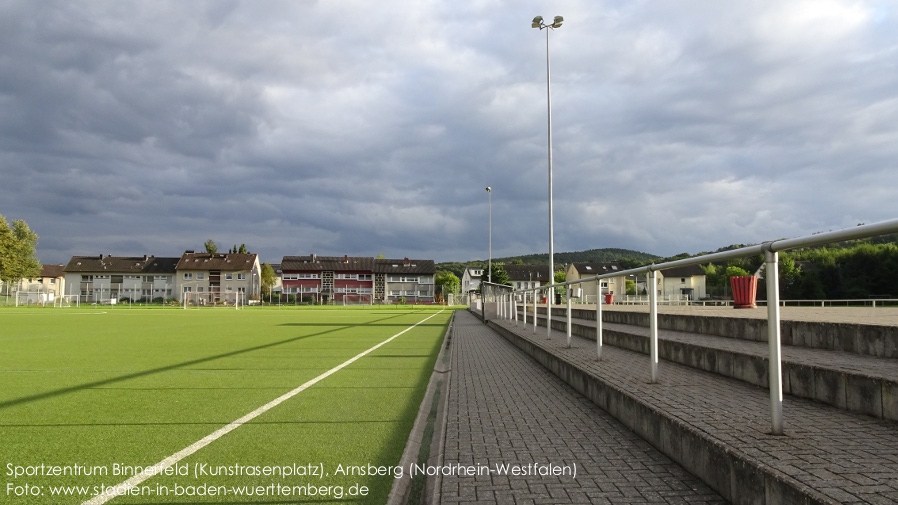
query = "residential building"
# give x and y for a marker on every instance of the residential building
(333, 279)
(212, 278)
(411, 281)
(614, 285)
(527, 276)
(100, 279)
(47, 287)
(470, 279)
(322, 279)
(686, 281)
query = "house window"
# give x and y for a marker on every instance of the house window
(229, 277)
(200, 276)
(682, 280)
(241, 277)
(403, 278)
(188, 276)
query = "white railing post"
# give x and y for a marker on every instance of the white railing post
(568, 317)
(773, 340)
(653, 324)
(598, 328)
(535, 297)
(550, 292)
(512, 306)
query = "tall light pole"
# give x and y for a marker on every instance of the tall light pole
(489, 198)
(556, 23)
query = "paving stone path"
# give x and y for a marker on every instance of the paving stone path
(504, 408)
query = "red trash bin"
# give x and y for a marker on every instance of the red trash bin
(609, 298)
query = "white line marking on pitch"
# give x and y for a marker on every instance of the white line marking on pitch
(123, 487)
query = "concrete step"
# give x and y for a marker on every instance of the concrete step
(719, 427)
(870, 336)
(849, 381)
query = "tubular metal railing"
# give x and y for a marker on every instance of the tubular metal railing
(501, 301)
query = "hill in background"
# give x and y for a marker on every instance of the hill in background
(626, 257)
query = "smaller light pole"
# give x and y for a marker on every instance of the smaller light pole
(489, 197)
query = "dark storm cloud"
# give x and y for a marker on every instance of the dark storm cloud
(357, 128)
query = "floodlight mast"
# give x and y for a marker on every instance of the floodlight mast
(556, 23)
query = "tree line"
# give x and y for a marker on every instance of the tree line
(848, 270)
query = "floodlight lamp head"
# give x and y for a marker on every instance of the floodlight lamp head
(557, 22)
(537, 22)
(489, 189)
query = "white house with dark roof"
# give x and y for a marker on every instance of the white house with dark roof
(523, 276)
(470, 279)
(411, 280)
(99, 279)
(211, 278)
(683, 281)
(47, 287)
(614, 285)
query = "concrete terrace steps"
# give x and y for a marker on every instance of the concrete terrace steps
(719, 428)
(856, 382)
(866, 331)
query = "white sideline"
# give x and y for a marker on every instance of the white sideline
(123, 487)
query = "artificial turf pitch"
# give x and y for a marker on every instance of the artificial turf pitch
(89, 396)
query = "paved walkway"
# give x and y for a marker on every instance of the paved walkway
(505, 409)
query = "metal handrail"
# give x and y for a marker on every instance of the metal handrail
(507, 308)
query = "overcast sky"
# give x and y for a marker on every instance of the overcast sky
(360, 127)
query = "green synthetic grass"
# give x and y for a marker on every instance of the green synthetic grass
(111, 388)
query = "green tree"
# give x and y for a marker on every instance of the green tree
(448, 282)
(736, 271)
(211, 246)
(269, 277)
(17, 252)
(500, 276)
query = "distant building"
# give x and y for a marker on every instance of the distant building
(334, 279)
(470, 279)
(47, 287)
(527, 276)
(613, 285)
(683, 281)
(218, 277)
(102, 278)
